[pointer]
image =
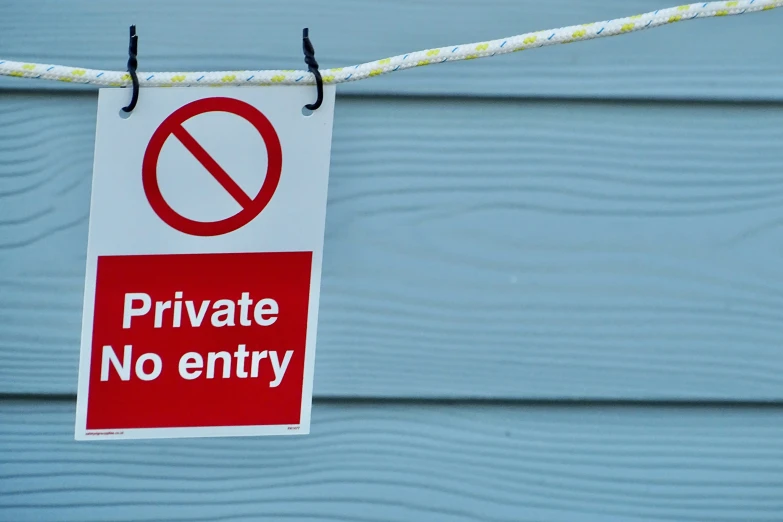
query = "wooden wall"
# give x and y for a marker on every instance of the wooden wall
(552, 281)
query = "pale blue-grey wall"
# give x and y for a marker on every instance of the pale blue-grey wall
(552, 280)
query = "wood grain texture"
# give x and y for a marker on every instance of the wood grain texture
(473, 249)
(732, 58)
(391, 462)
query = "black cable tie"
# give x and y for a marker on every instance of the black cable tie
(312, 66)
(133, 49)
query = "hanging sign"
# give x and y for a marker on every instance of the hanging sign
(204, 263)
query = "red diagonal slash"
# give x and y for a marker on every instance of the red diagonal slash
(212, 166)
(173, 126)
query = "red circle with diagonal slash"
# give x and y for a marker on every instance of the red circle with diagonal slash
(172, 126)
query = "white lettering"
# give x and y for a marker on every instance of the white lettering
(195, 319)
(261, 309)
(185, 364)
(225, 312)
(244, 308)
(278, 368)
(109, 357)
(191, 364)
(257, 356)
(160, 307)
(129, 311)
(212, 357)
(228, 313)
(177, 310)
(241, 355)
(157, 366)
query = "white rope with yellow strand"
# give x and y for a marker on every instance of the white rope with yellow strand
(574, 33)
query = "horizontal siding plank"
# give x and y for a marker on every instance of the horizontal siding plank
(732, 58)
(473, 249)
(401, 462)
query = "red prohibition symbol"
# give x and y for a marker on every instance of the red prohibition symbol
(172, 126)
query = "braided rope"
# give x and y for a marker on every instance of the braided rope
(574, 33)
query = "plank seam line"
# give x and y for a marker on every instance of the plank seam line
(572, 403)
(390, 97)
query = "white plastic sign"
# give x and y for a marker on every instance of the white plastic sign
(204, 263)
